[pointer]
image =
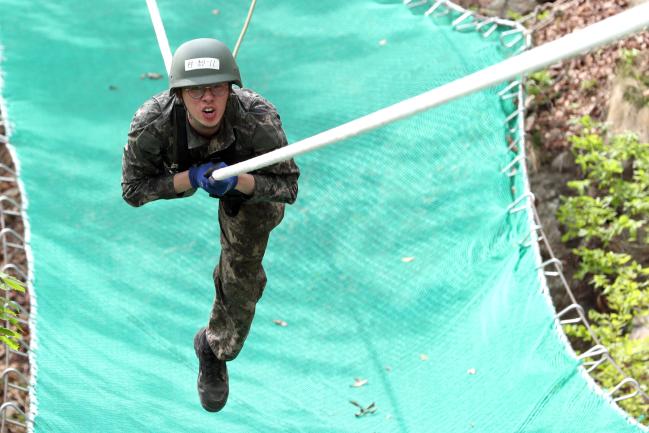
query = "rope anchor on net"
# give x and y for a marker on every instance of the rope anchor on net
(569, 308)
(625, 381)
(597, 350)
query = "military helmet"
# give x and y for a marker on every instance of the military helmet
(203, 61)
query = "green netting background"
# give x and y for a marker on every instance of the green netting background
(121, 291)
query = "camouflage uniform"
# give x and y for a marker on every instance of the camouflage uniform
(250, 127)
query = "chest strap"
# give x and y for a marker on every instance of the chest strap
(181, 151)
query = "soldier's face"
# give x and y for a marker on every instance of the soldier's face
(205, 106)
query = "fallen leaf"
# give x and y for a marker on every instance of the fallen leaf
(363, 410)
(423, 357)
(280, 323)
(358, 382)
(150, 76)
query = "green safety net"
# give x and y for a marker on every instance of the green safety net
(400, 263)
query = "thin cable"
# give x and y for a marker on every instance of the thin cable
(244, 29)
(160, 33)
(578, 42)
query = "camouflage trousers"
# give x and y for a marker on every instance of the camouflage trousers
(239, 276)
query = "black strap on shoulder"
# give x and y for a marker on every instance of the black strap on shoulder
(181, 151)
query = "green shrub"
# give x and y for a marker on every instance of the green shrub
(543, 15)
(589, 85)
(9, 311)
(513, 15)
(628, 59)
(607, 218)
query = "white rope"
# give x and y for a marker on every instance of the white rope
(244, 29)
(160, 34)
(578, 42)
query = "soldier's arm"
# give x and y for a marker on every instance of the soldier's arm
(181, 182)
(277, 182)
(144, 177)
(246, 184)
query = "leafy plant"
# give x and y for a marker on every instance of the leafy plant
(636, 96)
(589, 85)
(630, 65)
(542, 16)
(539, 83)
(513, 15)
(606, 217)
(628, 57)
(9, 311)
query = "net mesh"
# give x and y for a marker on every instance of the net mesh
(399, 264)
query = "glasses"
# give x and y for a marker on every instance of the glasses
(217, 91)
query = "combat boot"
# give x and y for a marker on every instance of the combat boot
(212, 375)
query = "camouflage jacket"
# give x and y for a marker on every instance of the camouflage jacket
(250, 124)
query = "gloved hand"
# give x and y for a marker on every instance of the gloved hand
(200, 177)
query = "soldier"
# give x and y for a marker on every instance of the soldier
(177, 138)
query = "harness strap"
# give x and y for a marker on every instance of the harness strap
(181, 151)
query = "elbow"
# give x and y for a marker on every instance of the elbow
(131, 197)
(292, 196)
(131, 201)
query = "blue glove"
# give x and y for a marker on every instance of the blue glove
(200, 177)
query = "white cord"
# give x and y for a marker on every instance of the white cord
(160, 34)
(244, 29)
